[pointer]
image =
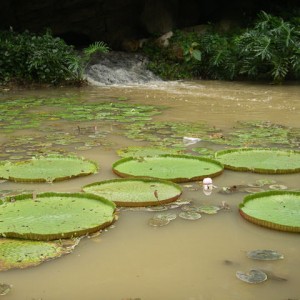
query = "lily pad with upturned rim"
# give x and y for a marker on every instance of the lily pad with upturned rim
(21, 254)
(50, 216)
(176, 168)
(47, 169)
(259, 160)
(136, 192)
(278, 210)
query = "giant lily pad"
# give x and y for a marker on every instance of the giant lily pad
(136, 192)
(22, 253)
(271, 161)
(47, 169)
(177, 168)
(273, 209)
(50, 216)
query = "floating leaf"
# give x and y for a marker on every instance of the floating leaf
(264, 255)
(22, 253)
(50, 216)
(47, 169)
(177, 168)
(273, 209)
(136, 192)
(189, 215)
(253, 276)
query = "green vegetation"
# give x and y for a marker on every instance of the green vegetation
(267, 50)
(30, 58)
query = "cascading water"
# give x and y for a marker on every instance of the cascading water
(119, 68)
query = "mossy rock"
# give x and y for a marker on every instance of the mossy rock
(176, 168)
(15, 253)
(278, 210)
(47, 169)
(135, 192)
(260, 160)
(51, 216)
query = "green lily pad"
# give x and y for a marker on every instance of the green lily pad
(50, 216)
(136, 192)
(47, 169)
(264, 255)
(176, 168)
(22, 253)
(258, 160)
(273, 209)
(253, 276)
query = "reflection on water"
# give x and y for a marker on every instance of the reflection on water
(184, 260)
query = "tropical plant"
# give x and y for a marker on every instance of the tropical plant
(28, 57)
(270, 50)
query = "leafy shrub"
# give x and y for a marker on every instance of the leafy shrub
(27, 57)
(270, 50)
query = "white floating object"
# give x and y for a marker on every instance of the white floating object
(207, 186)
(190, 140)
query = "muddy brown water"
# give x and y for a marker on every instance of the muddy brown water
(185, 260)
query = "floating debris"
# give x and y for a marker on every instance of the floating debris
(224, 205)
(264, 255)
(190, 140)
(5, 288)
(253, 276)
(189, 215)
(273, 276)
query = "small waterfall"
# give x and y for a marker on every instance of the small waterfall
(119, 68)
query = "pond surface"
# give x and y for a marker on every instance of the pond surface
(184, 260)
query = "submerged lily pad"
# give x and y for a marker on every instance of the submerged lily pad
(4, 288)
(47, 169)
(135, 151)
(253, 276)
(50, 216)
(264, 255)
(189, 215)
(136, 192)
(208, 209)
(156, 222)
(167, 215)
(177, 168)
(22, 253)
(271, 161)
(273, 209)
